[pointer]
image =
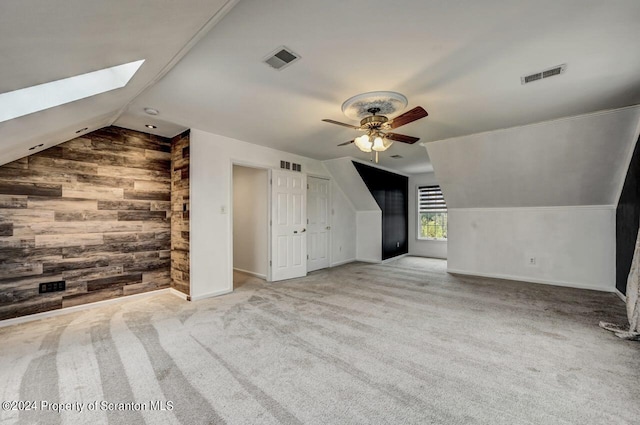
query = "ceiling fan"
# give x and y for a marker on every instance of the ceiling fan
(368, 106)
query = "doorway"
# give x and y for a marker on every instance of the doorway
(250, 224)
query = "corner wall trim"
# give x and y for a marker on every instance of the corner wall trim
(76, 308)
(341, 262)
(620, 295)
(179, 294)
(530, 280)
(211, 294)
(261, 276)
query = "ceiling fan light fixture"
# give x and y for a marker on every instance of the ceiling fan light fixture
(363, 143)
(378, 145)
(372, 109)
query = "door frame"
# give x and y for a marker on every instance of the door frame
(267, 188)
(330, 207)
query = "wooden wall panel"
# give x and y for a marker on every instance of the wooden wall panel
(95, 212)
(180, 213)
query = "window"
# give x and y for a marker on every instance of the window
(432, 213)
(32, 99)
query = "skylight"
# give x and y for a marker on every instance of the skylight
(26, 101)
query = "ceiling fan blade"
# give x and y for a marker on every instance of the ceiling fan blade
(346, 143)
(402, 138)
(409, 116)
(342, 124)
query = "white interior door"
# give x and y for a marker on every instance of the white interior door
(288, 225)
(318, 226)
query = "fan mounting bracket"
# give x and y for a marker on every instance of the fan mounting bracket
(384, 102)
(373, 122)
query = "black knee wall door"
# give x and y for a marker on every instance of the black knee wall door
(390, 191)
(627, 221)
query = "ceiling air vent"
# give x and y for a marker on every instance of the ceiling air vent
(281, 58)
(556, 70)
(397, 156)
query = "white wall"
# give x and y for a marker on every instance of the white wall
(418, 247)
(343, 222)
(546, 190)
(369, 236)
(573, 246)
(368, 216)
(212, 158)
(250, 220)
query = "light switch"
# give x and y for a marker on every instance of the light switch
(223, 209)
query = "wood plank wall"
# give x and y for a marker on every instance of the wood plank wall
(180, 213)
(95, 212)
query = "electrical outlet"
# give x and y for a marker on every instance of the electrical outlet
(223, 209)
(43, 288)
(532, 261)
(397, 244)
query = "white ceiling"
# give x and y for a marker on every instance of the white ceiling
(567, 162)
(460, 60)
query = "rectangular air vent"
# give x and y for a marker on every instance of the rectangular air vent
(286, 165)
(396, 156)
(281, 58)
(551, 72)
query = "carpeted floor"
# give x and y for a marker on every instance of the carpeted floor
(398, 343)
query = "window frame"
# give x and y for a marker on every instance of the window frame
(417, 212)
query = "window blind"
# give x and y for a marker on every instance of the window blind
(430, 200)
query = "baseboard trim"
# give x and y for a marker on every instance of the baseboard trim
(76, 308)
(367, 260)
(620, 295)
(339, 263)
(397, 257)
(553, 208)
(528, 280)
(427, 256)
(261, 276)
(179, 294)
(211, 294)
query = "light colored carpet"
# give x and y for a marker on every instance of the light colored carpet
(402, 342)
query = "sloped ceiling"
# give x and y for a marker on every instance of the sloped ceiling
(567, 162)
(350, 182)
(462, 60)
(47, 40)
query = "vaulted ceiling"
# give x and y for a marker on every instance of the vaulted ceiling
(461, 60)
(48, 40)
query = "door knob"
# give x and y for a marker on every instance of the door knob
(303, 230)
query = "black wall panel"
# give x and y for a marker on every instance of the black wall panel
(627, 221)
(391, 192)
